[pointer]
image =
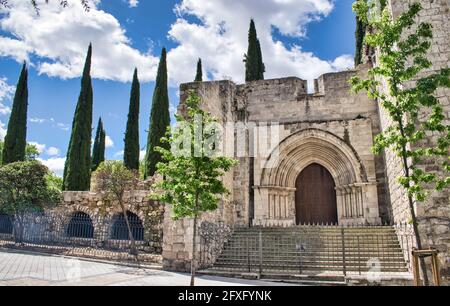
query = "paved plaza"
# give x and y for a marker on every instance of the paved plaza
(27, 269)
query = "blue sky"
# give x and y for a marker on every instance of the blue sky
(303, 38)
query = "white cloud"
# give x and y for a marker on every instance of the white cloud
(51, 121)
(52, 151)
(133, 3)
(55, 164)
(2, 131)
(173, 109)
(38, 120)
(63, 126)
(221, 38)
(343, 62)
(6, 93)
(42, 149)
(109, 143)
(142, 154)
(113, 56)
(17, 49)
(119, 154)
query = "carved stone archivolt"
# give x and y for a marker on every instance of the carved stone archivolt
(356, 196)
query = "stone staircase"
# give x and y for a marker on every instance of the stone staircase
(309, 250)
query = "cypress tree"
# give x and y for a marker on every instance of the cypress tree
(132, 148)
(359, 37)
(254, 65)
(98, 153)
(77, 170)
(16, 137)
(199, 75)
(159, 118)
(261, 66)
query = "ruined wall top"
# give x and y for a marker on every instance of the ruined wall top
(270, 89)
(284, 99)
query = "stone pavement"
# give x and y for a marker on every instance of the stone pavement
(26, 269)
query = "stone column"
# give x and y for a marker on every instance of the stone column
(371, 210)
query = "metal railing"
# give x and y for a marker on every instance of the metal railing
(80, 234)
(315, 249)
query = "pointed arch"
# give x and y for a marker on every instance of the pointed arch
(313, 146)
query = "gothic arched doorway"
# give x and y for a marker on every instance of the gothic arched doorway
(315, 198)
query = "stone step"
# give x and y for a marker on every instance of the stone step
(323, 249)
(294, 252)
(324, 232)
(309, 248)
(350, 257)
(317, 229)
(304, 266)
(294, 277)
(348, 244)
(296, 269)
(296, 262)
(307, 238)
(313, 237)
(312, 251)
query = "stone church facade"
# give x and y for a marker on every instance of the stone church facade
(330, 128)
(325, 136)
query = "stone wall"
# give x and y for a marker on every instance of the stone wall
(331, 108)
(177, 254)
(178, 234)
(352, 166)
(352, 120)
(434, 214)
(94, 204)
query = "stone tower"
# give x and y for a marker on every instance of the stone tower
(433, 215)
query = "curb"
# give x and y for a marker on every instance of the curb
(153, 266)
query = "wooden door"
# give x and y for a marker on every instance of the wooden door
(315, 199)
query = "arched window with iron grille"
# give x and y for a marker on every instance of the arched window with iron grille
(119, 229)
(6, 224)
(80, 226)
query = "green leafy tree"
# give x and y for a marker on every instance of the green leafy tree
(159, 118)
(410, 100)
(132, 148)
(113, 179)
(192, 175)
(254, 65)
(25, 188)
(63, 3)
(98, 152)
(54, 183)
(15, 142)
(77, 170)
(199, 75)
(31, 152)
(141, 169)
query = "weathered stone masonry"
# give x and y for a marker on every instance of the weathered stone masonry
(93, 204)
(331, 126)
(433, 215)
